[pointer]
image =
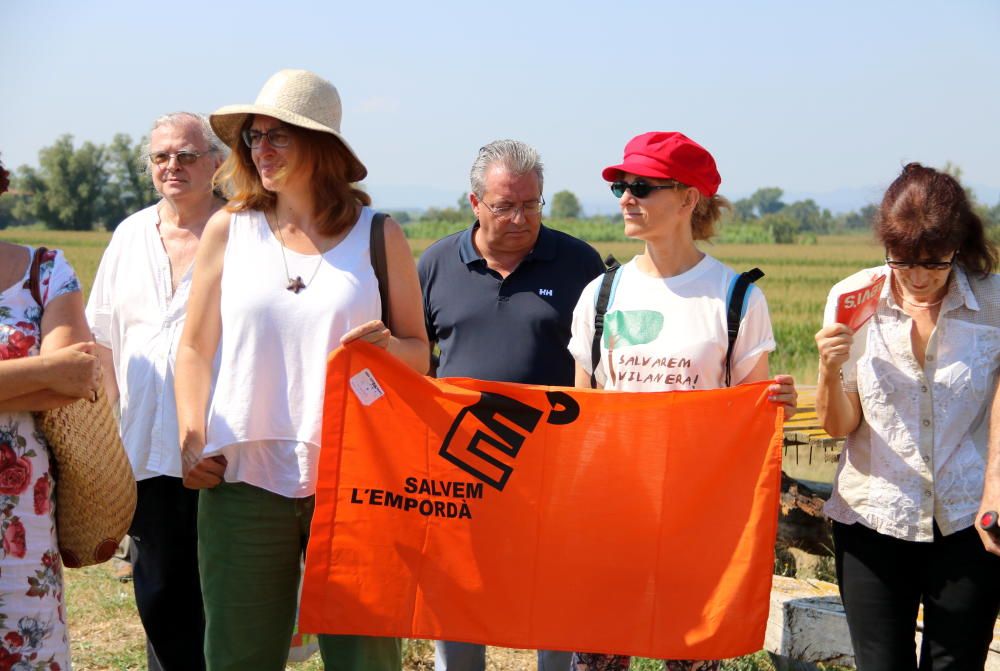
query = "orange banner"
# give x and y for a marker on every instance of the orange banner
(542, 517)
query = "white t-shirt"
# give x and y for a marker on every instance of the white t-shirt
(133, 312)
(669, 334)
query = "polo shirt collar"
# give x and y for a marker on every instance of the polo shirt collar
(466, 250)
(544, 249)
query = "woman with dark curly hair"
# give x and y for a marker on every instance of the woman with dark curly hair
(911, 391)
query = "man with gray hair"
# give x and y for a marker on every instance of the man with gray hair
(136, 310)
(498, 301)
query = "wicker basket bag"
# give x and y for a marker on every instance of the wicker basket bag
(95, 487)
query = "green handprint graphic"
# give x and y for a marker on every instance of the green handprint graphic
(629, 327)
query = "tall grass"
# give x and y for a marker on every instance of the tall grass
(82, 248)
(598, 230)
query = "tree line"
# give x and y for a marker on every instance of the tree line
(762, 217)
(95, 186)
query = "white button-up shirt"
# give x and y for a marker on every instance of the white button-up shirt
(919, 454)
(133, 311)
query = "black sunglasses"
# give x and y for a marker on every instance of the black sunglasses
(640, 189)
(929, 265)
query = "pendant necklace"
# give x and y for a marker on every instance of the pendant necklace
(921, 305)
(295, 285)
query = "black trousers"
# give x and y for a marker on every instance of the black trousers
(165, 574)
(883, 580)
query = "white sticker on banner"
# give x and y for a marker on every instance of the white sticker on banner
(366, 388)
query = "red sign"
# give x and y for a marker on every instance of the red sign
(856, 307)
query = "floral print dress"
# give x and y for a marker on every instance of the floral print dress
(32, 614)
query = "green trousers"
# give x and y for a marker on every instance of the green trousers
(250, 545)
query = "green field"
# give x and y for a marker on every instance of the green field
(83, 249)
(797, 279)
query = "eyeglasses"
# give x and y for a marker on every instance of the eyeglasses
(531, 207)
(277, 137)
(928, 265)
(162, 158)
(640, 189)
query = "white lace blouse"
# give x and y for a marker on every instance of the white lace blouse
(919, 454)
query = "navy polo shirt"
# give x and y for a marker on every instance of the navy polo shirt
(512, 329)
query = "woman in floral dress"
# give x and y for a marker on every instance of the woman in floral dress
(44, 363)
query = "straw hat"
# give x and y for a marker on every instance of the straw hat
(297, 97)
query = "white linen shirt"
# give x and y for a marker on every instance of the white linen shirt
(919, 453)
(133, 312)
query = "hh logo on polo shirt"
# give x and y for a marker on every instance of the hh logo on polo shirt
(545, 292)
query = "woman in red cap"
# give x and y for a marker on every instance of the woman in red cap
(670, 303)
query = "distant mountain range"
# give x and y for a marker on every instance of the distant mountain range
(415, 198)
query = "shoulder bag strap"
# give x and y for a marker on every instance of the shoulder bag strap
(604, 296)
(34, 275)
(736, 307)
(377, 252)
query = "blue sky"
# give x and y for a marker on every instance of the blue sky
(817, 98)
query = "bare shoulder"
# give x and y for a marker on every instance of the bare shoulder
(395, 238)
(11, 253)
(393, 228)
(14, 260)
(220, 220)
(217, 228)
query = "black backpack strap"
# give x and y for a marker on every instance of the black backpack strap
(34, 275)
(735, 307)
(376, 246)
(600, 309)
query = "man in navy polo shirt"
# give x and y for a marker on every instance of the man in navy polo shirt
(498, 301)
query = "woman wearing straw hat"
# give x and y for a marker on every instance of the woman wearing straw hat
(282, 277)
(670, 303)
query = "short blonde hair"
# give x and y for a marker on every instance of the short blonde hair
(706, 215)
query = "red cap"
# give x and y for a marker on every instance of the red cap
(668, 156)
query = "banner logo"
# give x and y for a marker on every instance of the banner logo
(486, 437)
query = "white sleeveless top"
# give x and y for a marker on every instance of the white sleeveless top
(267, 408)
